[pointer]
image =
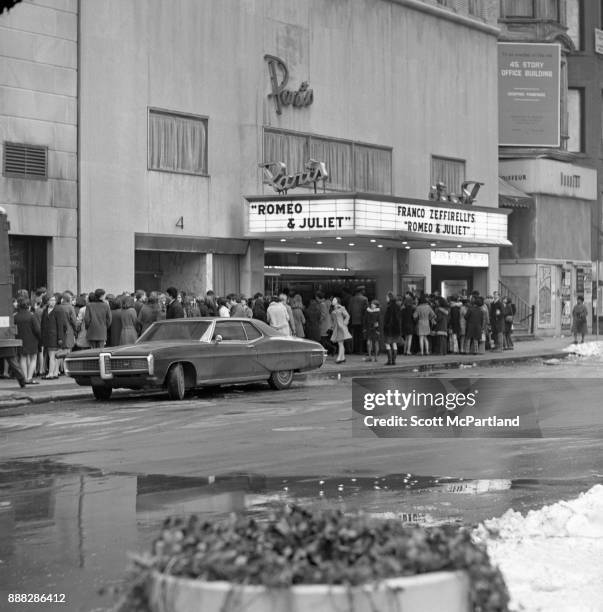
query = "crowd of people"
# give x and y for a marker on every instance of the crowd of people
(52, 325)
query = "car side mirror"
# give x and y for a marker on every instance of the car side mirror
(218, 339)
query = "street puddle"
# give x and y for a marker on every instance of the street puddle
(68, 529)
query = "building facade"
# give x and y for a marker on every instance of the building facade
(551, 258)
(585, 83)
(38, 137)
(188, 111)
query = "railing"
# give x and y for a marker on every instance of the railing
(524, 312)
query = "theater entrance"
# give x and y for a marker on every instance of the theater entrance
(308, 285)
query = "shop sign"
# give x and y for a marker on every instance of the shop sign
(301, 215)
(460, 258)
(550, 176)
(279, 77)
(529, 94)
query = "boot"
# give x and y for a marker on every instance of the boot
(394, 355)
(389, 356)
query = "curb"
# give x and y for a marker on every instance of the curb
(426, 367)
(18, 399)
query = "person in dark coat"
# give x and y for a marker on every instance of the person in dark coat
(258, 309)
(579, 320)
(442, 318)
(97, 320)
(497, 321)
(150, 312)
(54, 329)
(407, 323)
(29, 332)
(475, 324)
(114, 332)
(129, 321)
(65, 305)
(455, 324)
(357, 305)
(391, 328)
(509, 313)
(313, 321)
(174, 308)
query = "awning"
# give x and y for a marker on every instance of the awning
(511, 197)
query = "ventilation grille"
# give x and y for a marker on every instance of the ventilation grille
(25, 161)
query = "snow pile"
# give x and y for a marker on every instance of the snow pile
(586, 349)
(552, 558)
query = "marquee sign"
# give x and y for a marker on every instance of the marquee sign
(361, 215)
(301, 216)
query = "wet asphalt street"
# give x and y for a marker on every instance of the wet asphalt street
(82, 483)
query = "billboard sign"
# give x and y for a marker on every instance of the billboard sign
(529, 94)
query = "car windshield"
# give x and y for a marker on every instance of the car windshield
(181, 330)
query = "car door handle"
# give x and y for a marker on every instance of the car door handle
(250, 346)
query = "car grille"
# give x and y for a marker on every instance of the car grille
(83, 365)
(128, 364)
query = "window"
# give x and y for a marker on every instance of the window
(574, 21)
(230, 330)
(25, 161)
(351, 166)
(252, 331)
(575, 116)
(451, 172)
(517, 8)
(177, 143)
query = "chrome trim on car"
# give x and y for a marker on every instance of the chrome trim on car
(105, 373)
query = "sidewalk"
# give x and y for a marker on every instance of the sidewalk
(65, 388)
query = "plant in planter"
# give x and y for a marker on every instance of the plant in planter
(360, 560)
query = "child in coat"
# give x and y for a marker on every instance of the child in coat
(372, 330)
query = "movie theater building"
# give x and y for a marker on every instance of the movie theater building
(198, 121)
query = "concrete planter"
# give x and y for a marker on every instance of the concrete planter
(432, 592)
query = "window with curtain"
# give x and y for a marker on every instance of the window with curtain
(372, 169)
(451, 172)
(517, 8)
(338, 159)
(351, 166)
(575, 117)
(177, 143)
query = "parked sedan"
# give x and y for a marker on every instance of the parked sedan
(182, 354)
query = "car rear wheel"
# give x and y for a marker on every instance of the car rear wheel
(281, 379)
(101, 392)
(175, 383)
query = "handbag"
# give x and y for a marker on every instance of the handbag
(509, 318)
(62, 353)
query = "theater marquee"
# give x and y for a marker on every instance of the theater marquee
(363, 215)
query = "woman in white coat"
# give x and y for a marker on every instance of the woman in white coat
(340, 319)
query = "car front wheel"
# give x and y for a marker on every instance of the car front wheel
(101, 392)
(281, 379)
(175, 383)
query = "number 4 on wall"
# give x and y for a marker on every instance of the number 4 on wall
(180, 223)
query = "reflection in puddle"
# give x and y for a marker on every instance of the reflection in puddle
(68, 529)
